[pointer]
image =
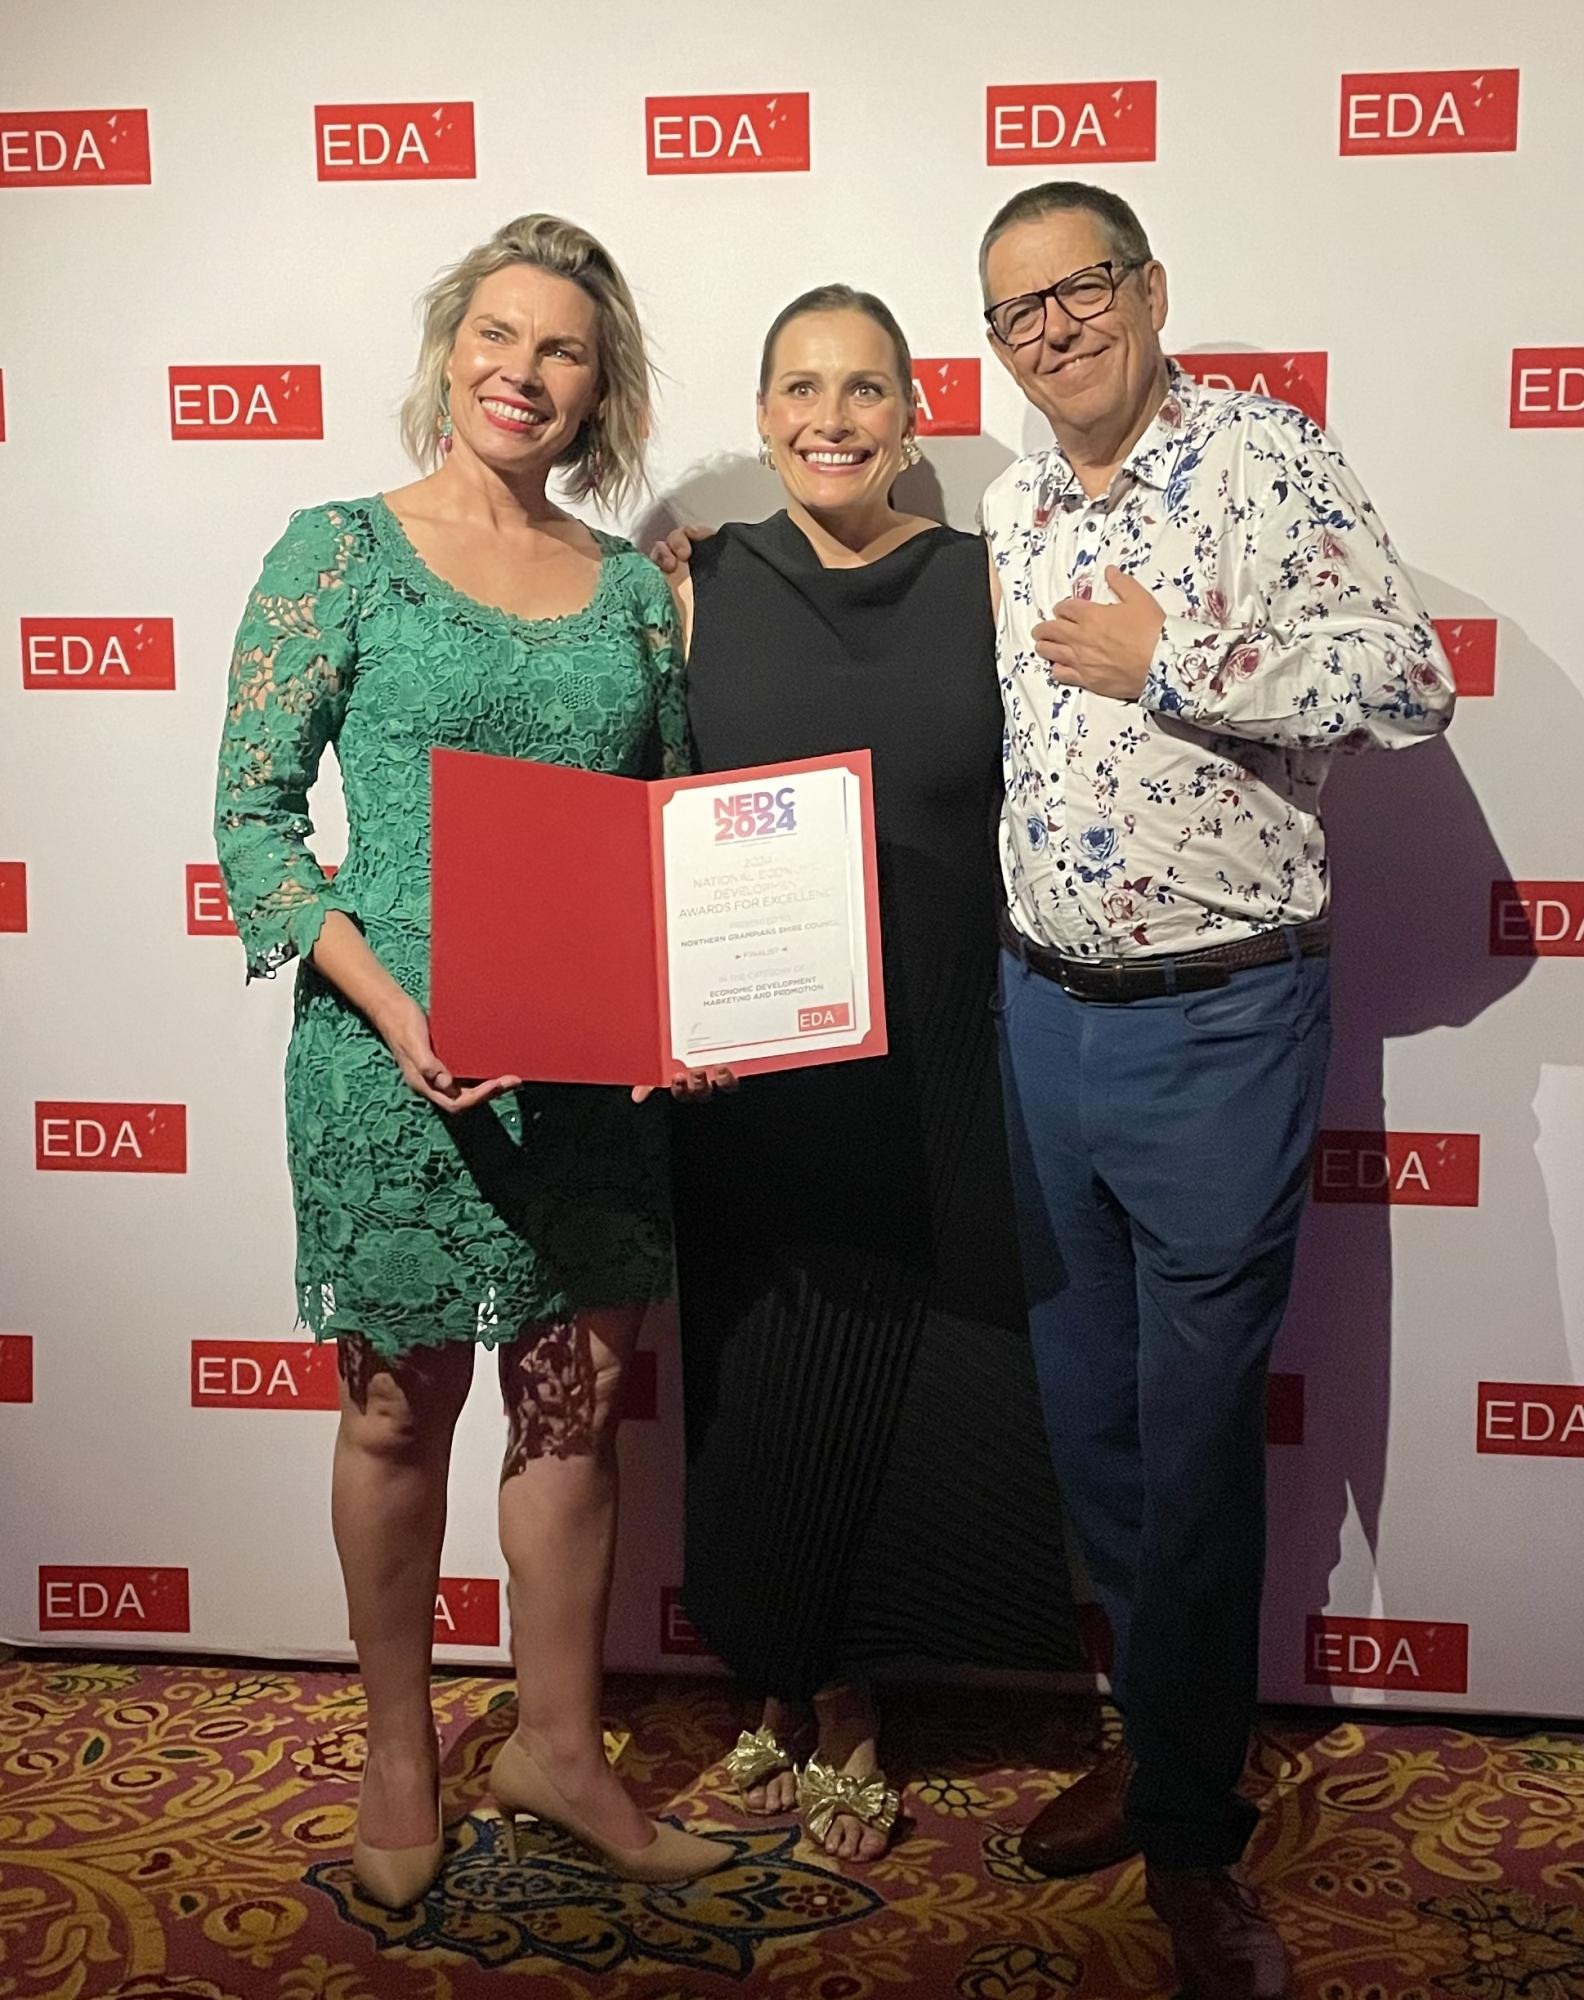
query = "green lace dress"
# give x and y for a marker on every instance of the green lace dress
(413, 1227)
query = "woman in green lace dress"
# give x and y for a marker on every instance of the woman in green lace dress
(466, 610)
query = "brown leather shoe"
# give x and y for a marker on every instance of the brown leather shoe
(1082, 1829)
(1225, 1946)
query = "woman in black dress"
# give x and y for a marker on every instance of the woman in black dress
(867, 1475)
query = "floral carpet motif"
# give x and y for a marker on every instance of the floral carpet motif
(181, 1833)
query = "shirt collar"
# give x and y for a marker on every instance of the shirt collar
(1150, 460)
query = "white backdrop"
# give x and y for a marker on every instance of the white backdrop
(138, 1508)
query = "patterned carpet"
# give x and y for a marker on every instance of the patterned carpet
(180, 1833)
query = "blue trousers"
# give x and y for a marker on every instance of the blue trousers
(1160, 1156)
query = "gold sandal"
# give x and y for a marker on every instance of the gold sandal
(824, 1792)
(758, 1755)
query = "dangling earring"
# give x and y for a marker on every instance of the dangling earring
(766, 455)
(444, 432)
(911, 455)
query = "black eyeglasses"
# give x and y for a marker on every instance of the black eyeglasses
(1081, 295)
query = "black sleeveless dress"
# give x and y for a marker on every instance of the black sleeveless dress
(867, 1473)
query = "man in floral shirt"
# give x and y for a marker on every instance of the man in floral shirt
(1196, 608)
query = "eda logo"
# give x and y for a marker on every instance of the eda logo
(74, 149)
(208, 911)
(1412, 1655)
(1430, 111)
(264, 1375)
(393, 142)
(124, 653)
(1547, 389)
(13, 896)
(1470, 647)
(1284, 1409)
(80, 1138)
(246, 402)
(102, 1597)
(820, 1020)
(753, 815)
(1299, 379)
(677, 1631)
(16, 1368)
(1531, 1419)
(467, 1611)
(1413, 1169)
(728, 135)
(1537, 920)
(1034, 124)
(946, 397)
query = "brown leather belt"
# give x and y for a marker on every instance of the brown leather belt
(1122, 979)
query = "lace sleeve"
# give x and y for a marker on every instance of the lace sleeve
(664, 640)
(290, 674)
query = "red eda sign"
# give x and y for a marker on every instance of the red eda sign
(1470, 647)
(16, 1368)
(1537, 920)
(1531, 1419)
(393, 142)
(1430, 111)
(208, 911)
(728, 135)
(13, 896)
(1547, 389)
(264, 1375)
(820, 1020)
(677, 1632)
(120, 653)
(1407, 1655)
(110, 1597)
(246, 402)
(1284, 1409)
(1296, 378)
(1412, 1169)
(74, 149)
(1036, 124)
(946, 397)
(73, 1137)
(467, 1611)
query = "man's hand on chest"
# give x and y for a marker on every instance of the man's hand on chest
(1106, 648)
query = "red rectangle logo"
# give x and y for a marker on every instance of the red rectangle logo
(16, 1368)
(208, 912)
(104, 1597)
(1298, 378)
(250, 402)
(1430, 111)
(640, 1390)
(1537, 920)
(74, 148)
(1413, 1169)
(1547, 391)
(1470, 647)
(91, 1138)
(467, 1611)
(13, 896)
(120, 653)
(264, 1375)
(1284, 1409)
(728, 135)
(1407, 1654)
(394, 142)
(946, 397)
(1035, 124)
(677, 1634)
(817, 1020)
(1531, 1419)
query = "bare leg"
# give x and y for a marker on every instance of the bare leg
(558, 1533)
(847, 1732)
(388, 1508)
(788, 1722)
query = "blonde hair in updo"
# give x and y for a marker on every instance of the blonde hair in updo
(606, 458)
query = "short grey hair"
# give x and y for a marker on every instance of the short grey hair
(1057, 197)
(606, 457)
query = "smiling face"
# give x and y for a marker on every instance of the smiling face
(524, 372)
(1091, 378)
(834, 411)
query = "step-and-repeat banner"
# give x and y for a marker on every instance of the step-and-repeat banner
(213, 222)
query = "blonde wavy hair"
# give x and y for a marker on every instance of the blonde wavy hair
(606, 458)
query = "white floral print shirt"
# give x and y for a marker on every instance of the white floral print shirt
(1191, 816)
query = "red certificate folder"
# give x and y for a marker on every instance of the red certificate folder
(549, 943)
